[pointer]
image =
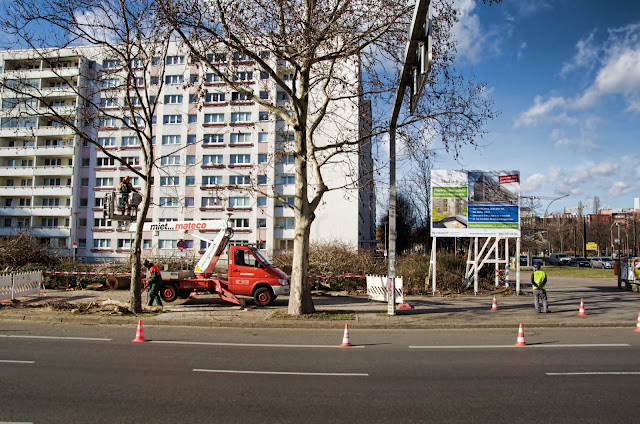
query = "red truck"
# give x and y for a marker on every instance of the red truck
(248, 272)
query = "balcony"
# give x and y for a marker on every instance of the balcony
(51, 231)
(50, 191)
(36, 211)
(52, 170)
(44, 131)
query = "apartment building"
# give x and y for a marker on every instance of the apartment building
(219, 155)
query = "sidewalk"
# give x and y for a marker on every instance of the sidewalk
(605, 304)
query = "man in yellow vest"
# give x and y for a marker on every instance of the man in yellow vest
(538, 282)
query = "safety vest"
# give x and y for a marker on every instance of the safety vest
(538, 278)
(155, 270)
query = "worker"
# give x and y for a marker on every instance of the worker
(154, 282)
(125, 188)
(539, 282)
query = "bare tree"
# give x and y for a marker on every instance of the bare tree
(130, 45)
(326, 57)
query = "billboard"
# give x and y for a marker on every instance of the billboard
(475, 203)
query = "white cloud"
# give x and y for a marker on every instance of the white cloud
(521, 49)
(604, 168)
(541, 111)
(98, 24)
(618, 189)
(473, 42)
(585, 57)
(533, 183)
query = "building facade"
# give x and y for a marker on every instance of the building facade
(217, 153)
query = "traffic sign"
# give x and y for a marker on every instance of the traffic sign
(74, 244)
(181, 245)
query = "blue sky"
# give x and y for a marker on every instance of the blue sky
(565, 76)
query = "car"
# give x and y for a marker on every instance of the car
(537, 260)
(580, 262)
(602, 262)
(559, 259)
(523, 259)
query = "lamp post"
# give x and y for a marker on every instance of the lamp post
(74, 245)
(545, 220)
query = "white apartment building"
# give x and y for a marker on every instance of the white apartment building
(213, 150)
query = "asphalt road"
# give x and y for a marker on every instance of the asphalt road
(95, 374)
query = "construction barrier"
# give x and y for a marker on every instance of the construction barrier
(22, 284)
(377, 288)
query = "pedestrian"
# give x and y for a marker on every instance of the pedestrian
(154, 282)
(539, 282)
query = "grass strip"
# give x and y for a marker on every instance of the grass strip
(326, 315)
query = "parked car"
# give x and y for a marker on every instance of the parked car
(580, 262)
(603, 262)
(523, 260)
(537, 260)
(559, 259)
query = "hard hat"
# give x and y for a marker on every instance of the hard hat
(147, 263)
(536, 265)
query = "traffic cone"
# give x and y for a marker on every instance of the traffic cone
(139, 333)
(494, 307)
(44, 290)
(346, 340)
(581, 311)
(520, 340)
(637, 330)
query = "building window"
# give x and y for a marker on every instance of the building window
(262, 179)
(101, 243)
(169, 202)
(173, 99)
(191, 139)
(167, 244)
(238, 97)
(104, 182)
(264, 95)
(146, 244)
(108, 102)
(130, 141)
(169, 181)
(192, 119)
(211, 180)
(190, 180)
(262, 223)
(84, 202)
(239, 202)
(213, 139)
(286, 244)
(239, 180)
(102, 162)
(189, 202)
(287, 179)
(175, 60)
(262, 158)
(84, 182)
(240, 223)
(173, 79)
(287, 223)
(243, 76)
(240, 159)
(214, 98)
(170, 139)
(172, 119)
(287, 159)
(264, 75)
(107, 141)
(170, 160)
(240, 138)
(213, 118)
(262, 137)
(263, 116)
(212, 160)
(211, 202)
(261, 201)
(241, 117)
(212, 78)
(124, 244)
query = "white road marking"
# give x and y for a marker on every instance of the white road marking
(249, 344)
(333, 374)
(596, 373)
(15, 422)
(11, 361)
(13, 336)
(514, 346)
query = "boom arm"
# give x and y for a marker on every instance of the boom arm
(210, 258)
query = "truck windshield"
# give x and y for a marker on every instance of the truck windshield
(259, 256)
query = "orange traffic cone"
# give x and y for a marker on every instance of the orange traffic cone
(494, 307)
(581, 311)
(346, 340)
(139, 333)
(520, 340)
(637, 330)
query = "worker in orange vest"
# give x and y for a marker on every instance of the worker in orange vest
(154, 282)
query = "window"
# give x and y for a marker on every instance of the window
(239, 180)
(167, 244)
(109, 122)
(240, 223)
(191, 159)
(263, 116)
(240, 138)
(173, 79)
(170, 160)
(213, 139)
(84, 202)
(264, 75)
(108, 102)
(192, 119)
(100, 162)
(235, 97)
(262, 223)
(53, 162)
(287, 159)
(173, 99)
(50, 202)
(212, 78)
(104, 182)
(262, 179)
(124, 244)
(262, 158)
(170, 139)
(190, 180)
(193, 78)
(284, 223)
(110, 63)
(100, 223)
(213, 118)
(239, 56)
(214, 98)
(191, 139)
(131, 160)
(98, 202)
(146, 244)
(85, 162)
(241, 117)
(211, 202)
(101, 243)
(135, 101)
(172, 119)
(212, 160)
(240, 159)
(154, 81)
(217, 57)
(286, 244)
(193, 98)
(243, 76)
(84, 182)
(175, 60)
(169, 181)
(262, 137)
(211, 180)
(239, 202)
(264, 95)
(109, 83)
(46, 182)
(261, 201)
(169, 202)
(287, 179)
(285, 201)
(130, 141)
(189, 202)
(29, 182)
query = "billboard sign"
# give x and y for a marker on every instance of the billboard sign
(475, 203)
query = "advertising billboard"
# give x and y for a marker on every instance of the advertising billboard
(475, 203)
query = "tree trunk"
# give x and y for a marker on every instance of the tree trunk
(300, 301)
(136, 250)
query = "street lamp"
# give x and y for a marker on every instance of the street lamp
(545, 221)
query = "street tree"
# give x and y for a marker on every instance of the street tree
(115, 90)
(328, 59)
